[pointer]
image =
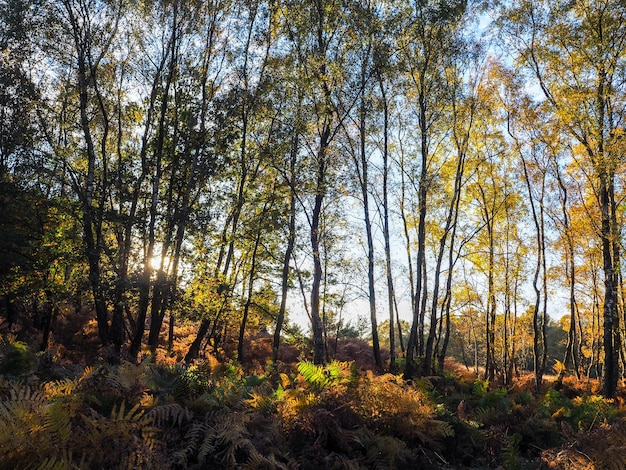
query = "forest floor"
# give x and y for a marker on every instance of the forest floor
(69, 408)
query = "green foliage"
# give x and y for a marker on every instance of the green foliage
(497, 398)
(386, 452)
(523, 398)
(16, 359)
(189, 382)
(125, 439)
(481, 387)
(331, 375)
(511, 452)
(582, 413)
(148, 416)
(592, 410)
(54, 464)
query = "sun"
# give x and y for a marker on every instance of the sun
(155, 262)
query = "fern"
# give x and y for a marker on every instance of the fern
(613, 458)
(256, 461)
(313, 374)
(262, 402)
(224, 440)
(54, 464)
(126, 437)
(323, 377)
(481, 387)
(16, 359)
(511, 452)
(65, 387)
(57, 422)
(172, 413)
(32, 430)
(485, 415)
(384, 451)
(390, 405)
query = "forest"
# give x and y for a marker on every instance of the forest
(339, 234)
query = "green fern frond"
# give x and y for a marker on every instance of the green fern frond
(172, 413)
(256, 461)
(511, 452)
(485, 415)
(424, 384)
(313, 374)
(57, 422)
(319, 377)
(53, 464)
(119, 414)
(480, 388)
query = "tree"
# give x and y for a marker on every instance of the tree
(317, 31)
(87, 29)
(576, 52)
(361, 157)
(534, 174)
(427, 46)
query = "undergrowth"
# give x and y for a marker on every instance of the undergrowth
(158, 416)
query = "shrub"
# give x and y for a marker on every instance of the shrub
(16, 359)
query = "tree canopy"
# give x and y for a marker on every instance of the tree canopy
(453, 168)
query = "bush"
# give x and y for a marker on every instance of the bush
(16, 359)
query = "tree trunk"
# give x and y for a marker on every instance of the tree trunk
(291, 239)
(316, 321)
(417, 326)
(91, 218)
(363, 175)
(389, 275)
(251, 277)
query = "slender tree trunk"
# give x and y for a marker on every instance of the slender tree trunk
(490, 316)
(544, 286)
(363, 175)
(386, 236)
(417, 326)
(316, 320)
(451, 220)
(91, 220)
(609, 238)
(571, 351)
(407, 236)
(251, 278)
(399, 324)
(146, 277)
(538, 328)
(447, 302)
(291, 240)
